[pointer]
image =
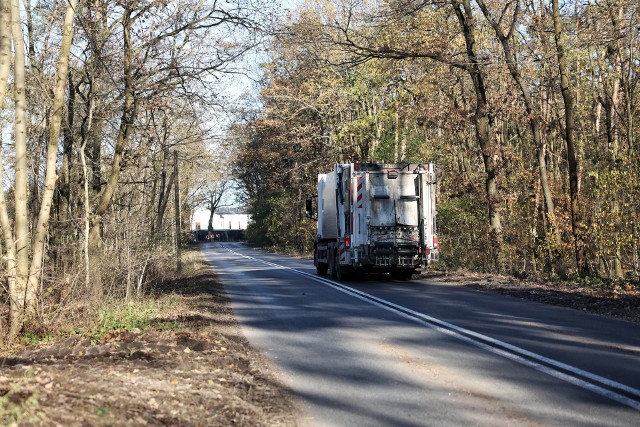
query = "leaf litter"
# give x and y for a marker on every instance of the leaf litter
(204, 373)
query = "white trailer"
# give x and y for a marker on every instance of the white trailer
(376, 217)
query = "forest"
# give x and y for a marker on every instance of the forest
(527, 107)
(116, 126)
(110, 139)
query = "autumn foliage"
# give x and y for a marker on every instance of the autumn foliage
(532, 121)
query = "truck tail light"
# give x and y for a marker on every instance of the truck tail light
(347, 241)
(435, 241)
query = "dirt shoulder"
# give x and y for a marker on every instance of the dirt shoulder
(619, 300)
(201, 372)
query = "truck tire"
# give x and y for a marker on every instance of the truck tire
(342, 272)
(401, 274)
(332, 265)
(321, 267)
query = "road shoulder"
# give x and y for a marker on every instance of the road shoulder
(202, 371)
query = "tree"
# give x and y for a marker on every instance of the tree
(165, 53)
(214, 195)
(568, 98)
(212, 187)
(131, 63)
(24, 264)
(521, 150)
(533, 113)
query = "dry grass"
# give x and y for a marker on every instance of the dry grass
(174, 357)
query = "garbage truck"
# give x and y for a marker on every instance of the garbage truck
(375, 217)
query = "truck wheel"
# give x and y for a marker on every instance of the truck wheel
(321, 267)
(342, 272)
(332, 265)
(401, 274)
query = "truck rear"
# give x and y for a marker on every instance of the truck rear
(375, 217)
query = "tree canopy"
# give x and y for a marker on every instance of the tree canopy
(527, 107)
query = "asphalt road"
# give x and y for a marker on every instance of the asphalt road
(371, 352)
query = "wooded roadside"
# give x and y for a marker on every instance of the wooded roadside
(185, 363)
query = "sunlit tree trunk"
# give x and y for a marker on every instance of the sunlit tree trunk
(21, 223)
(86, 131)
(532, 113)
(50, 178)
(126, 124)
(5, 222)
(569, 135)
(5, 48)
(483, 122)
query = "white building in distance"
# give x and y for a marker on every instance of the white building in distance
(220, 221)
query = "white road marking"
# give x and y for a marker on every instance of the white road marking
(527, 358)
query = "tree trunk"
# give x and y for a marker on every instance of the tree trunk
(5, 48)
(35, 271)
(165, 191)
(210, 223)
(396, 130)
(532, 113)
(403, 140)
(569, 135)
(483, 122)
(86, 203)
(18, 293)
(629, 84)
(5, 222)
(162, 204)
(613, 134)
(95, 147)
(126, 122)
(67, 156)
(176, 192)
(126, 125)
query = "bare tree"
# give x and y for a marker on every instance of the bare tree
(165, 53)
(215, 194)
(24, 275)
(568, 98)
(533, 113)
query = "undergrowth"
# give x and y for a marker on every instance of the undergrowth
(115, 314)
(17, 403)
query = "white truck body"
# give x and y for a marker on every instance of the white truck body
(376, 217)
